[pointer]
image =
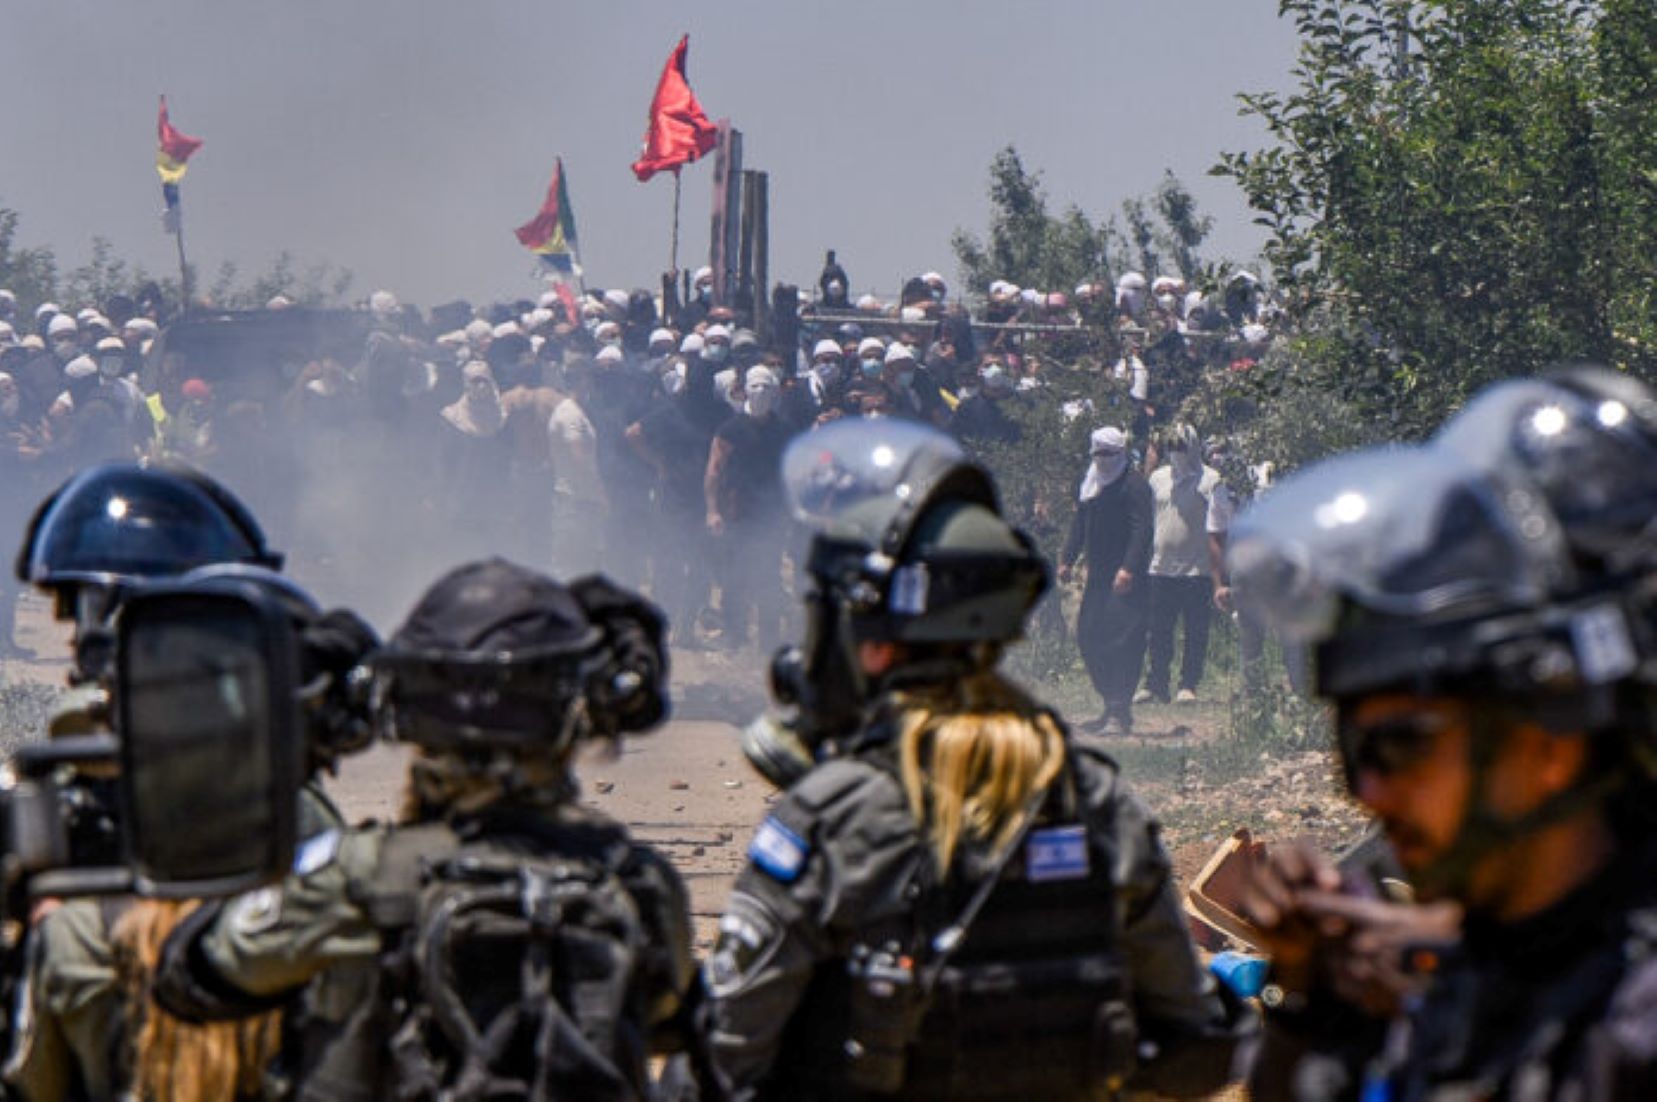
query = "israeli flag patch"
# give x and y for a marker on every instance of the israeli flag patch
(315, 852)
(778, 851)
(1059, 853)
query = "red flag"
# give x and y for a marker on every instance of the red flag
(175, 147)
(679, 131)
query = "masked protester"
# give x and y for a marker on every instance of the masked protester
(500, 941)
(745, 512)
(951, 896)
(820, 393)
(981, 415)
(1481, 608)
(1193, 509)
(1111, 536)
(473, 453)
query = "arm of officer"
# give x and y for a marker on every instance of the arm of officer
(774, 931)
(664, 908)
(1190, 1028)
(251, 952)
(70, 1006)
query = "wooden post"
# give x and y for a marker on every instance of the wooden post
(762, 258)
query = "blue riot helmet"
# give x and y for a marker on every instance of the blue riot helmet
(120, 523)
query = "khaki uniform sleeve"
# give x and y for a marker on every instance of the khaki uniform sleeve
(814, 864)
(71, 1010)
(276, 939)
(1192, 1027)
(664, 909)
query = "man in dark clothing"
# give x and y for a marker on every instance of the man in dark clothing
(820, 395)
(619, 396)
(673, 440)
(743, 490)
(980, 415)
(1112, 531)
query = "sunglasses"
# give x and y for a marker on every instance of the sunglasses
(1388, 746)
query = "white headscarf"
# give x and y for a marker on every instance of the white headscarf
(1109, 449)
(478, 412)
(1185, 453)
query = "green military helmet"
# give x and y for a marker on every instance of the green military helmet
(908, 547)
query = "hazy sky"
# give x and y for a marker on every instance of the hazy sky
(404, 139)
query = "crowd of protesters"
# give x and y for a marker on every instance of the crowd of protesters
(611, 430)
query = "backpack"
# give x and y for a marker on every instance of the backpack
(514, 977)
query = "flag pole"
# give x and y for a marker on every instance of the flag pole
(673, 262)
(183, 266)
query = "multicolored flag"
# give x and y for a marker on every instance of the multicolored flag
(551, 233)
(679, 131)
(170, 158)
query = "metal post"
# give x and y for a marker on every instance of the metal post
(673, 260)
(183, 265)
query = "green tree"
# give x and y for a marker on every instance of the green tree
(1027, 245)
(1459, 191)
(31, 274)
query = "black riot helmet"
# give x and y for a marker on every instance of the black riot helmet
(908, 547)
(120, 523)
(498, 657)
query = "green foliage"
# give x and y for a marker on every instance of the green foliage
(1458, 192)
(31, 274)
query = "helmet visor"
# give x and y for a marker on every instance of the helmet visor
(839, 478)
(1409, 532)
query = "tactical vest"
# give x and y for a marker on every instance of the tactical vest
(470, 934)
(1034, 1004)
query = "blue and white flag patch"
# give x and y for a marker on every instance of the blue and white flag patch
(1059, 853)
(778, 851)
(315, 852)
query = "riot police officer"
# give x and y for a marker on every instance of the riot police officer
(500, 941)
(1483, 609)
(953, 898)
(88, 544)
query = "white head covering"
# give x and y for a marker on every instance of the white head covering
(610, 354)
(762, 391)
(715, 331)
(912, 313)
(278, 302)
(60, 324)
(607, 330)
(142, 326)
(46, 309)
(691, 343)
(661, 336)
(615, 297)
(80, 367)
(506, 329)
(1109, 451)
(548, 301)
(383, 303)
(701, 275)
(898, 352)
(871, 346)
(825, 347)
(478, 412)
(868, 303)
(996, 379)
(537, 317)
(724, 381)
(477, 331)
(7, 333)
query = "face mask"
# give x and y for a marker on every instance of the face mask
(872, 368)
(110, 367)
(906, 376)
(610, 342)
(1185, 463)
(9, 405)
(827, 373)
(1165, 301)
(704, 293)
(716, 353)
(674, 381)
(762, 400)
(65, 350)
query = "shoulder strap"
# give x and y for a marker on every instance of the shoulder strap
(390, 894)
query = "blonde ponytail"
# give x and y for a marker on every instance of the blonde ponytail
(174, 1059)
(988, 747)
